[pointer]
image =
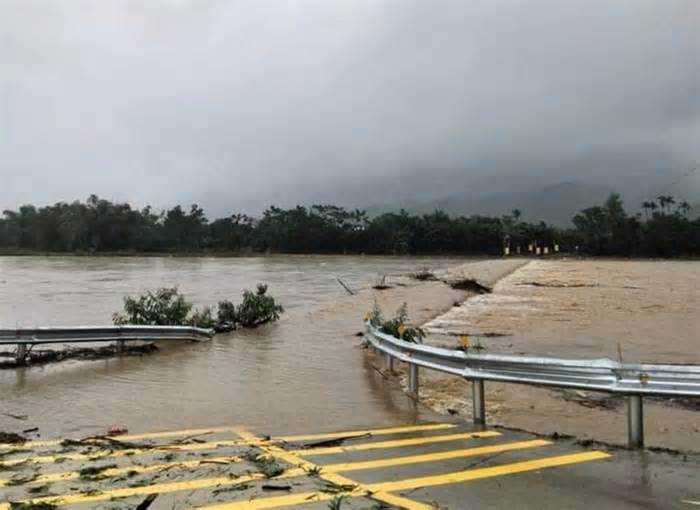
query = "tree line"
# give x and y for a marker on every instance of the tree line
(99, 225)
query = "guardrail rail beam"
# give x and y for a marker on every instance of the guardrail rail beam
(632, 380)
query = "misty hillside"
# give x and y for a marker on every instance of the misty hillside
(555, 204)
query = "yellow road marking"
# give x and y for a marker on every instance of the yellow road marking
(218, 430)
(415, 441)
(327, 469)
(331, 476)
(401, 502)
(374, 432)
(278, 501)
(118, 471)
(129, 437)
(381, 489)
(161, 488)
(377, 491)
(433, 457)
(489, 472)
(313, 497)
(108, 454)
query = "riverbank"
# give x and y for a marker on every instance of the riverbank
(643, 310)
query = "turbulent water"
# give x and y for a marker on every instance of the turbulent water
(640, 310)
(305, 372)
(633, 310)
(308, 373)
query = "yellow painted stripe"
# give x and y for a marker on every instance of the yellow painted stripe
(160, 488)
(333, 477)
(48, 459)
(489, 472)
(130, 437)
(277, 501)
(401, 502)
(119, 471)
(414, 483)
(374, 432)
(434, 457)
(415, 441)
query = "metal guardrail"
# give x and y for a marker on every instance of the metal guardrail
(604, 375)
(84, 334)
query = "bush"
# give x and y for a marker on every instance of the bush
(257, 308)
(397, 326)
(164, 307)
(167, 307)
(227, 313)
(202, 319)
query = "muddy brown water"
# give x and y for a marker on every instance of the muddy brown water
(305, 373)
(639, 310)
(308, 372)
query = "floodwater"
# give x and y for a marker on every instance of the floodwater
(306, 372)
(639, 311)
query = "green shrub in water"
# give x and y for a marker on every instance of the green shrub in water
(164, 307)
(227, 313)
(167, 307)
(257, 308)
(398, 326)
(202, 319)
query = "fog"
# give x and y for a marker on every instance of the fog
(239, 104)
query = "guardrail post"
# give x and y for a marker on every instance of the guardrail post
(478, 402)
(413, 379)
(121, 344)
(388, 362)
(635, 419)
(21, 354)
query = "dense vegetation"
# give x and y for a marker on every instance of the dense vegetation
(167, 307)
(398, 326)
(99, 225)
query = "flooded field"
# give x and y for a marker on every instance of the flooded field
(306, 370)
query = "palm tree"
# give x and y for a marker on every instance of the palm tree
(684, 207)
(516, 214)
(653, 207)
(666, 202)
(646, 206)
(670, 201)
(662, 202)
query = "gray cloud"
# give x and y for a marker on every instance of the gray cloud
(239, 104)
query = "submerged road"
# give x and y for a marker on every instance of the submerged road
(414, 466)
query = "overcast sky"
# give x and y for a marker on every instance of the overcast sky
(237, 104)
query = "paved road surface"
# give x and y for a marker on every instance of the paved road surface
(423, 466)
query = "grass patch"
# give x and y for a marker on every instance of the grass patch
(21, 480)
(32, 506)
(232, 488)
(266, 465)
(336, 503)
(94, 472)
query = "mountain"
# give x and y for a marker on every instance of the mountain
(555, 204)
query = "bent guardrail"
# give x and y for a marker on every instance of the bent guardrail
(83, 334)
(634, 380)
